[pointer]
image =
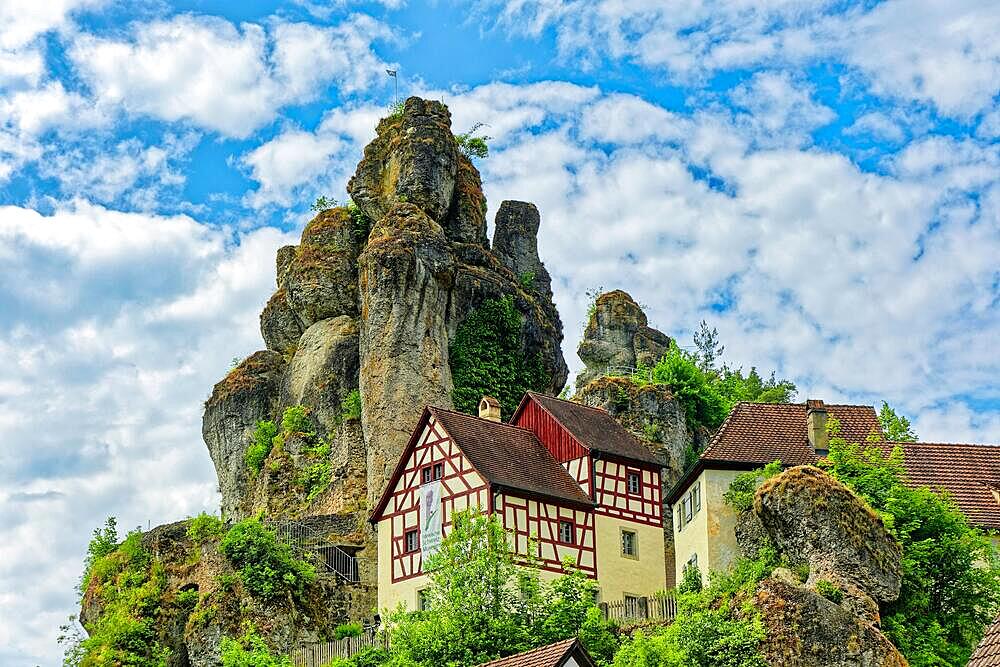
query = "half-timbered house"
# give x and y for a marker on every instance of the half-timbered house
(566, 480)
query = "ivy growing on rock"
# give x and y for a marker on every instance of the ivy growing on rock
(487, 358)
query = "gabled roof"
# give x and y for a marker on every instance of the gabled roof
(553, 655)
(594, 428)
(987, 654)
(765, 432)
(505, 456)
(755, 434)
(970, 474)
(510, 456)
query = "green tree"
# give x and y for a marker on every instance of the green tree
(951, 575)
(895, 426)
(709, 348)
(267, 566)
(103, 541)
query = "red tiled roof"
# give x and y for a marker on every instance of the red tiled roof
(765, 432)
(968, 473)
(987, 654)
(510, 456)
(595, 429)
(553, 655)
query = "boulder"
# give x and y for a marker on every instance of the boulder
(814, 519)
(279, 326)
(618, 336)
(466, 221)
(406, 272)
(247, 395)
(324, 369)
(413, 158)
(804, 629)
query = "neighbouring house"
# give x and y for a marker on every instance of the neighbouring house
(987, 654)
(563, 477)
(567, 653)
(756, 434)
(753, 435)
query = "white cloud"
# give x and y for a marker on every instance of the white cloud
(780, 110)
(230, 79)
(23, 20)
(119, 324)
(943, 53)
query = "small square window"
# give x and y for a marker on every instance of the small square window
(567, 532)
(635, 483)
(425, 475)
(438, 470)
(630, 546)
(412, 538)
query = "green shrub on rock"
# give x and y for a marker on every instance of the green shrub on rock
(261, 443)
(205, 527)
(267, 567)
(250, 650)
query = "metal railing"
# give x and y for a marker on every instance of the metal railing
(316, 655)
(308, 543)
(629, 371)
(638, 610)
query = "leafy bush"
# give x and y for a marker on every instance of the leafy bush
(351, 408)
(323, 203)
(527, 279)
(187, 598)
(267, 567)
(951, 574)
(830, 591)
(362, 223)
(487, 359)
(205, 527)
(472, 146)
(261, 443)
(396, 108)
(296, 420)
(895, 426)
(741, 490)
(354, 629)
(371, 656)
(691, 580)
(315, 479)
(250, 650)
(693, 387)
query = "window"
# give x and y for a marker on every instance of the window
(423, 600)
(412, 538)
(630, 544)
(634, 483)
(425, 474)
(438, 470)
(696, 497)
(680, 519)
(688, 509)
(567, 532)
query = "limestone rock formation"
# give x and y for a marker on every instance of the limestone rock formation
(812, 519)
(618, 336)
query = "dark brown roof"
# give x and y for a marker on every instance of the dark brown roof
(510, 456)
(553, 655)
(595, 429)
(754, 434)
(987, 654)
(765, 432)
(968, 473)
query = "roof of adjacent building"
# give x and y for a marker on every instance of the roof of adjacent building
(969, 474)
(987, 654)
(765, 432)
(510, 456)
(553, 655)
(755, 434)
(594, 428)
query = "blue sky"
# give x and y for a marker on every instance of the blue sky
(817, 179)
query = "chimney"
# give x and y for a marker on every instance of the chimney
(816, 427)
(489, 408)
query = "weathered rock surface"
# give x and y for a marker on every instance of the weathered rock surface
(247, 395)
(324, 369)
(414, 158)
(618, 336)
(806, 630)
(466, 221)
(406, 272)
(812, 519)
(815, 519)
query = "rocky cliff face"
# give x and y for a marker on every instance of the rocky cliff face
(831, 617)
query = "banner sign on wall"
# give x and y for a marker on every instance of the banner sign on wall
(430, 518)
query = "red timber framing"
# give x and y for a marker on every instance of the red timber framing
(561, 444)
(538, 519)
(613, 498)
(461, 487)
(603, 478)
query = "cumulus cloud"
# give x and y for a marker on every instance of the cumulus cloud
(944, 54)
(227, 78)
(116, 326)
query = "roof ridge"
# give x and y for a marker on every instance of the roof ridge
(547, 647)
(943, 444)
(573, 403)
(434, 408)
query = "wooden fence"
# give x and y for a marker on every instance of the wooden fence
(317, 655)
(638, 610)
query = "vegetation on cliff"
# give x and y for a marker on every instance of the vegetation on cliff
(487, 358)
